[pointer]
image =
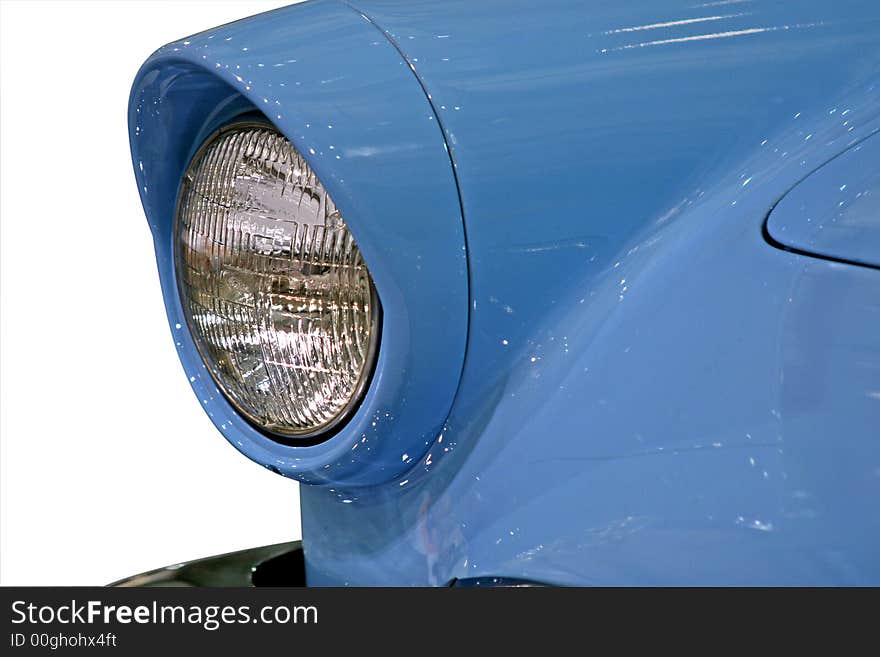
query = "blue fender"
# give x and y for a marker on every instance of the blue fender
(652, 394)
(349, 103)
(652, 391)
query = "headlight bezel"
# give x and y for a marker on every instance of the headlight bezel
(388, 172)
(331, 427)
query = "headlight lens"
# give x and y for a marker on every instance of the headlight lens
(276, 293)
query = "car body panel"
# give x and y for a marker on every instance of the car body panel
(347, 100)
(652, 393)
(835, 212)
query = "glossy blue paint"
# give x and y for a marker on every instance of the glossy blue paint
(350, 104)
(835, 212)
(652, 393)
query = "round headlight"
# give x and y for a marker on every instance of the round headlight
(273, 285)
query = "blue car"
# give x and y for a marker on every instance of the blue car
(555, 293)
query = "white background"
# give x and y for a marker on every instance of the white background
(109, 465)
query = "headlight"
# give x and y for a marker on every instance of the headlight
(273, 285)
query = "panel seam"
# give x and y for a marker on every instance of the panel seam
(782, 246)
(451, 154)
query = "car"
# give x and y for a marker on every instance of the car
(559, 293)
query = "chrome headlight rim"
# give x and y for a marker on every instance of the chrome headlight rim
(328, 429)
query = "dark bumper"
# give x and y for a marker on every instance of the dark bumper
(271, 565)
